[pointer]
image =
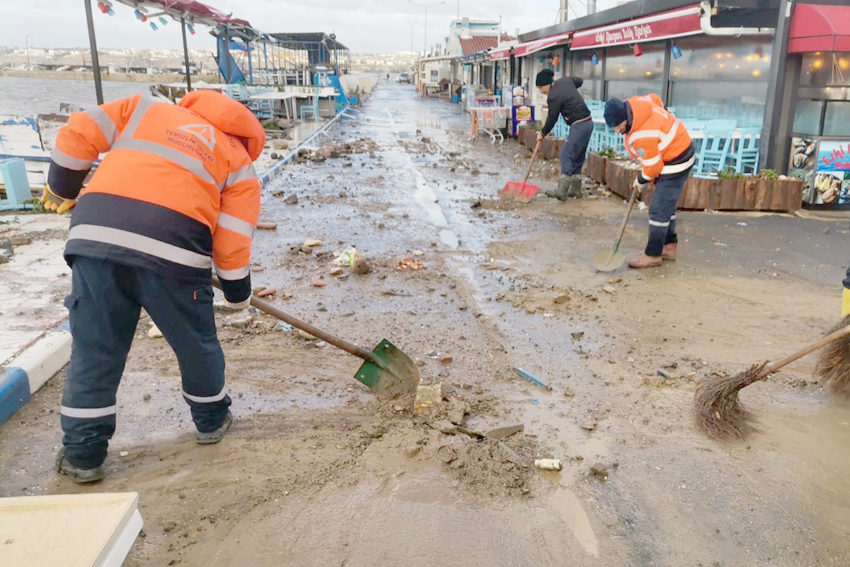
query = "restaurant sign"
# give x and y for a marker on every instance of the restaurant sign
(676, 23)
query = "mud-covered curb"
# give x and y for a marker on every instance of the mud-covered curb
(32, 368)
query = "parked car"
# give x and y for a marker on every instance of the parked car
(404, 78)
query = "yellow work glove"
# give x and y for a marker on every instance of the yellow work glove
(845, 303)
(53, 202)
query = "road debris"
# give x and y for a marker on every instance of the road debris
(266, 292)
(548, 464)
(408, 263)
(265, 225)
(504, 432)
(532, 378)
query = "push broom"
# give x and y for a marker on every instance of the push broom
(719, 412)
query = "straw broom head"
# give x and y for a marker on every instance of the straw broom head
(833, 366)
(718, 411)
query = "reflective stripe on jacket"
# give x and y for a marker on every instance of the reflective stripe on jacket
(657, 138)
(177, 190)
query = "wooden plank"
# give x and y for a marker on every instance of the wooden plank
(779, 196)
(795, 195)
(727, 190)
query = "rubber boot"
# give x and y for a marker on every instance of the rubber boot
(563, 187)
(574, 191)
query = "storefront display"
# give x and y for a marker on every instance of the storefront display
(824, 167)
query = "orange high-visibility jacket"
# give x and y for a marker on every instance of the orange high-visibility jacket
(657, 139)
(176, 192)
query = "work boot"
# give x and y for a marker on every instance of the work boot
(574, 192)
(644, 261)
(77, 474)
(563, 187)
(669, 252)
(216, 435)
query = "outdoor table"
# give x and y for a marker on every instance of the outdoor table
(286, 100)
(482, 114)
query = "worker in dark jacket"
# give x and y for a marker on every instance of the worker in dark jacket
(565, 100)
(175, 196)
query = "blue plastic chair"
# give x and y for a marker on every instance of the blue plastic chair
(13, 173)
(696, 128)
(311, 109)
(561, 130)
(715, 147)
(746, 155)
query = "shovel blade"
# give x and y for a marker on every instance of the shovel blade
(608, 259)
(399, 374)
(520, 191)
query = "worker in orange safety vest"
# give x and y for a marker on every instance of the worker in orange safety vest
(175, 196)
(662, 145)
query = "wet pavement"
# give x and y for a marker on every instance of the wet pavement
(304, 479)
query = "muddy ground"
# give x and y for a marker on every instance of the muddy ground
(317, 471)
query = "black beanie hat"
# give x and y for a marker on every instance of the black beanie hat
(545, 77)
(615, 112)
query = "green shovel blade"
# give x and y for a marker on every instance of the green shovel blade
(609, 259)
(396, 375)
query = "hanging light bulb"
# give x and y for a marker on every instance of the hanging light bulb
(191, 29)
(556, 61)
(153, 26)
(138, 14)
(638, 50)
(163, 21)
(111, 12)
(677, 53)
(594, 60)
(103, 7)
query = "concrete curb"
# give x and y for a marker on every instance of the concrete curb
(270, 174)
(32, 368)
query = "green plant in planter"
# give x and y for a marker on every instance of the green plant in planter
(608, 152)
(769, 175)
(729, 173)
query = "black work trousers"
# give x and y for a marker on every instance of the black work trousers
(104, 305)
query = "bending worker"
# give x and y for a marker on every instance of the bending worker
(175, 195)
(565, 100)
(663, 147)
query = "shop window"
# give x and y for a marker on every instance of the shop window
(825, 69)
(626, 89)
(713, 58)
(807, 117)
(836, 119)
(710, 100)
(592, 74)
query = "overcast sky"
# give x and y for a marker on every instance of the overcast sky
(371, 26)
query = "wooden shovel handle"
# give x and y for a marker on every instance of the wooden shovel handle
(531, 163)
(811, 348)
(270, 309)
(622, 230)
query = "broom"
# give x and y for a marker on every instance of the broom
(719, 413)
(834, 364)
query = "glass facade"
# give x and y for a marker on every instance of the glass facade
(807, 117)
(592, 74)
(717, 77)
(823, 69)
(628, 75)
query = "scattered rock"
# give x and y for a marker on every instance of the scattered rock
(146, 397)
(362, 267)
(653, 381)
(445, 358)
(569, 393)
(241, 320)
(599, 469)
(457, 411)
(280, 144)
(257, 269)
(20, 240)
(577, 335)
(264, 225)
(561, 299)
(154, 332)
(548, 464)
(306, 336)
(291, 200)
(418, 253)
(446, 454)
(504, 432)
(412, 451)
(427, 396)
(609, 289)
(319, 283)
(123, 453)
(336, 271)
(312, 243)
(266, 292)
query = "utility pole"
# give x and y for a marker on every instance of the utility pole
(562, 13)
(186, 54)
(95, 64)
(412, 26)
(425, 44)
(27, 41)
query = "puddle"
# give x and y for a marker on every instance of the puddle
(567, 506)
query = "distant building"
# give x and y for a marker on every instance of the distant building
(464, 30)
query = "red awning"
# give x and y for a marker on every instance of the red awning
(500, 54)
(533, 46)
(675, 23)
(197, 11)
(819, 27)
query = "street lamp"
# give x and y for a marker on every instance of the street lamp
(426, 17)
(27, 42)
(412, 26)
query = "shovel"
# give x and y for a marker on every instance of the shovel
(387, 370)
(609, 259)
(522, 191)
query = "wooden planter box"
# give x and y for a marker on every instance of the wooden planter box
(527, 137)
(595, 165)
(746, 194)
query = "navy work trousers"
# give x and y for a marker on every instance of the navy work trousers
(662, 212)
(105, 303)
(575, 147)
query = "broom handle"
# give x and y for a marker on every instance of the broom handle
(811, 348)
(531, 164)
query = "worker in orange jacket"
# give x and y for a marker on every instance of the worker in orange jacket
(175, 196)
(662, 145)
